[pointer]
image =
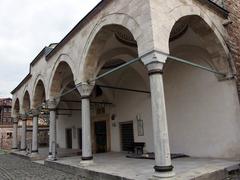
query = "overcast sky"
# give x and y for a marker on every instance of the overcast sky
(26, 26)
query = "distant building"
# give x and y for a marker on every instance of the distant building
(6, 124)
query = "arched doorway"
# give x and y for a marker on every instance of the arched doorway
(200, 105)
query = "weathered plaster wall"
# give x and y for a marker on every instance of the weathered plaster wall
(203, 113)
(71, 122)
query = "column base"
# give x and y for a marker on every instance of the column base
(34, 156)
(164, 171)
(170, 174)
(163, 168)
(86, 162)
(87, 158)
(51, 158)
(34, 151)
(23, 149)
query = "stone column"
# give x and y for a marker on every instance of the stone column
(52, 130)
(24, 132)
(35, 114)
(15, 130)
(163, 166)
(85, 90)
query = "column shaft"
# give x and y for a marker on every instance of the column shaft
(160, 128)
(86, 130)
(14, 140)
(23, 135)
(52, 135)
(35, 135)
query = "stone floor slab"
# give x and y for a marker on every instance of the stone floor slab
(117, 165)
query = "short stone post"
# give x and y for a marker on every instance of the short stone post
(52, 130)
(85, 90)
(163, 165)
(24, 132)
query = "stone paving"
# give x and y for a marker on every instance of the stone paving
(15, 168)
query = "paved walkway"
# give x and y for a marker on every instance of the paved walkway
(15, 168)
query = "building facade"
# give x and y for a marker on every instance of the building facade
(137, 71)
(5, 123)
(233, 28)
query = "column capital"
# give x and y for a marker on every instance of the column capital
(155, 68)
(24, 117)
(85, 89)
(15, 120)
(154, 57)
(52, 104)
(35, 112)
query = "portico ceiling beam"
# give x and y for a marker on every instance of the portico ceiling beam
(92, 102)
(184, 61)
(116, 69)
(67, 109)
(124, 89)
(170, 57)
(102, 75)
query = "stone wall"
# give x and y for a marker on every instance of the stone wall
(233, 7)
(5, 138)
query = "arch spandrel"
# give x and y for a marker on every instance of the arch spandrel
(26, 102)
(39, 93)
(63, 58)
(16, 107)
(213, 41)
(116, 19)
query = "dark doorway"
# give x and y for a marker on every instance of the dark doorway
(101, 136)
(127, 136)
(80, 138)
(69, 138)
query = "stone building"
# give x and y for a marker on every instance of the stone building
(154, 72)
(5, 123)
(233, 28)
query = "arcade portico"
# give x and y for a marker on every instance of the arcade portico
(146, 71)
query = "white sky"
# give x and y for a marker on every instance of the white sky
(26, 26)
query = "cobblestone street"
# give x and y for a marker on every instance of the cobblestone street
(15, 168)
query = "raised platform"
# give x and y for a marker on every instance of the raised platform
(43, 153)
(115, 166)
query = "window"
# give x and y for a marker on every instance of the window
(9, 135)
(5, 109)
(4, 119)
(9, 119)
